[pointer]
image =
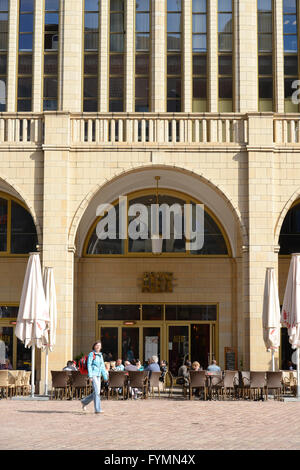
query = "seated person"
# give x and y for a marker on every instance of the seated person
(119, 365)
(164, 370)
(139, 365)
(153, 366)
(113, 365)
(196, 366)
(129, 366)
(214, 367)
(70, 366)
(183, 373)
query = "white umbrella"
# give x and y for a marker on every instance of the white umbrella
(50, 293)
(33, 316)
(271, 314)
(290, 314)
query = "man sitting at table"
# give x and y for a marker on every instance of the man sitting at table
(119, 365)
(214, 367)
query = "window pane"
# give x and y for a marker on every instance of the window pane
(3, 64)
(199, 23)
(3, 5)
(199, 64)
(265, 23)
(90, 106)
(225, 5)
(2, 94)
(174, 65)
(24, 105)
(8, 311)
(291, 65)
(265, 43)
(142, 5)
(289, 6)
(3, 41)
(117, 43)
(174, 22)
(225, 88)
(50, 105)
(142, 42)
(91, 64)
(174, 42)
(25, 42)
(116, 86)
(24, 87)
(26, 23)
(225, 42)
(51, 21)
(50, 87)
(174, 87)
(142, 106)
(199, 88)
(116, 64)
(116, 22)
(191, 312)
(109, 340)
(3, 224)
(225, 65)
(116, 5)
(26, 5)
(90, 87)
(199, 6)
(290, 24)
(52, 5)
(119, 312)
(152, 312)
(265, 65)
(225, 23)
(91, 22)
(142, 22)
(141, 87)
(288, 90)
(290, 43)
(91, 41)
(115, 106)
(142, 64)
(3, 22)
(264, 5)
(25, 64)
(23, 233)
(51, 42)
(174, 5)
(199, 43)
(50, 64)
(266, 88)
(91, 5)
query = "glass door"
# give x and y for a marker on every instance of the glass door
(151, 342)
(178, 346)
(200, 344)
(109, 339)
(6, 346)
(130, 343)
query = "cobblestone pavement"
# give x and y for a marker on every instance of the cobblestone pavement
(152, 424)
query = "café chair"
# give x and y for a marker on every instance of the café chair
(154, 382)
(198, 380)
(116, 382)
(274, 382)
(60, 384)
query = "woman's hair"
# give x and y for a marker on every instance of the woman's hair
(93, 347)
(196, 364)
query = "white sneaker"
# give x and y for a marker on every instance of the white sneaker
(83, 407)
(98, 412)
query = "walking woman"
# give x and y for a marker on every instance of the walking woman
(96, 368)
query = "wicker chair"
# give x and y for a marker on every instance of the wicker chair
(27, 384)
(216, 384)
(78, 384)
(198, 380)
(138, 379)
(257, 385)
(117, 381)
(5, 385)
(274, 382)
(154, 382)
(169, 382)
(60, 384)
(230, 383)
(244, 385)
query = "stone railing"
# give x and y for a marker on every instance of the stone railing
(21, 128)
(158, 129)
(286, 129)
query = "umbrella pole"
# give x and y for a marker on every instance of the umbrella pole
(273, 360)
(46, 373)
(32, 369)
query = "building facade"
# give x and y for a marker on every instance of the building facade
(100, 97)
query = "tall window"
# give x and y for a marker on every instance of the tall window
(26, 20)
(91, 47)
(142, 57)
(50, 89)
(199, 55)
(290, 42)
(265, 56)
(174, 55)
(116, 56)
(3, 51)
(225, 57)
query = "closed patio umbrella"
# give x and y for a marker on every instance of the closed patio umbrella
(271, 314)
(33, 316)
(50, 293)
(290, 313)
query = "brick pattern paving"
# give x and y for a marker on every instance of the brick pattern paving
(152, 424)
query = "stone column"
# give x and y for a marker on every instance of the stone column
(103, 58)
(212, 55)
(37, 56)
(187, 57)
(71, 71)
(158, 63)
(13, 46)
(56, 220)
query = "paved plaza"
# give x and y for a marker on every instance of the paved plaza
(150, 425)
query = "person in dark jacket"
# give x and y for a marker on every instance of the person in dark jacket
(183, 373)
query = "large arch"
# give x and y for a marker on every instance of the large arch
(283, 213)
(177, 178)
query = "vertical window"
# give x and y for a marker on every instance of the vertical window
(290, 42)
(3, 51)
(142, 55)
(91, 49)
(51, 28)
(225, 56)
(265, 54)
(26, 20)
(116, 56)
(174, 55)
(199, 55)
